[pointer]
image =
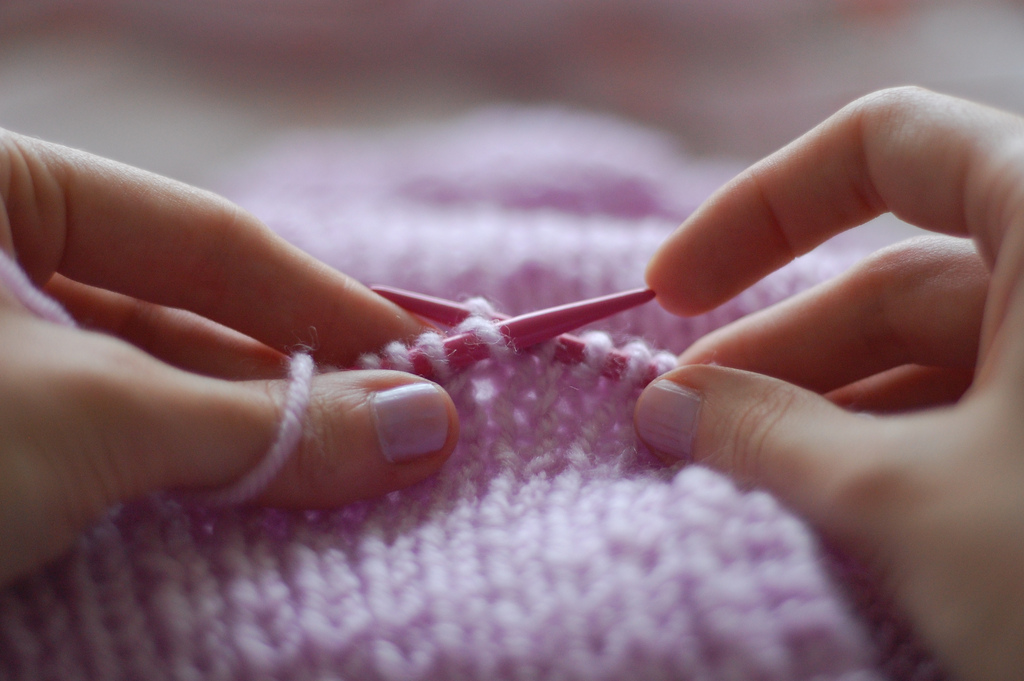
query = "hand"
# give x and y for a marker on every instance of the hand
(192, 303)
(929, 490)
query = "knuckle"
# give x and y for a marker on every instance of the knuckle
(755, 432)
(896, 114)
(904, 271)
(895, 101)
(922, 256)
(332, 459)
(90, 462)
(32, 189)
(320, 436)
(920, 273)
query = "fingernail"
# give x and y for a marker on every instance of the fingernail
(411, 420)
(666, 418)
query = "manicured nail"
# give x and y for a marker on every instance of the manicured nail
(411, 420)
(666, 418)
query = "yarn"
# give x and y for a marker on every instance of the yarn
(300, 382)
(551, 545)
(427, 356)
(289, 432)
(17, 283)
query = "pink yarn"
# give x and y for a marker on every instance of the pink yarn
(15, 280)
(551, 545)
(289, 432)
(427, 357)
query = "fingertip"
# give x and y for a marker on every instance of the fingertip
(758, 430)
(368, 433)
(691, 272)
(666, 419)
(667, 278)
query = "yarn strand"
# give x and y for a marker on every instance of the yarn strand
(300, 376)
(289, 432)
(17, 282)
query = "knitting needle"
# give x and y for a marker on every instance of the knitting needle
(525, 330)
(439, 310)
(542, 325)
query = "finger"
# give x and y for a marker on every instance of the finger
(368, 433)
(178, 337)
(905, 388)
(897, 494)
(127, 424)
(121, 229)
(918, 302)
(818, 459)
(936, 162)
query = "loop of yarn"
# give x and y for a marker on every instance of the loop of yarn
(551, 544)
(300, 376)
(289, 432)
(636, 362)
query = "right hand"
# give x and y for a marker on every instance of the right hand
(932, 497)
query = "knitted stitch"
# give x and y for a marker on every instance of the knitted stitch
(551, 545)
(427, 357)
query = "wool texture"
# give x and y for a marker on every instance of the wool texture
(551, 545)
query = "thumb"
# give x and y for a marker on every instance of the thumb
(89, 421)
(763, 432)
(354, 435)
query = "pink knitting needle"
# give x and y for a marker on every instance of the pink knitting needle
(440, 310)
(537, 327)
(525, 330)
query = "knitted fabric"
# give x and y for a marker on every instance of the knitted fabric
(551, 545)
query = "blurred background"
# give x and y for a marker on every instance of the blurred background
(190, 89)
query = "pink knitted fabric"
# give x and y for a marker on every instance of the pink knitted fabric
(551, 545)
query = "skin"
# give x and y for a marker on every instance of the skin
(887, 406)
(170, 386)
(180, 387)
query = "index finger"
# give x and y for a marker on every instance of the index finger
(119, 228)
(937, 162)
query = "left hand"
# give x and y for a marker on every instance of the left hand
(188, 306)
